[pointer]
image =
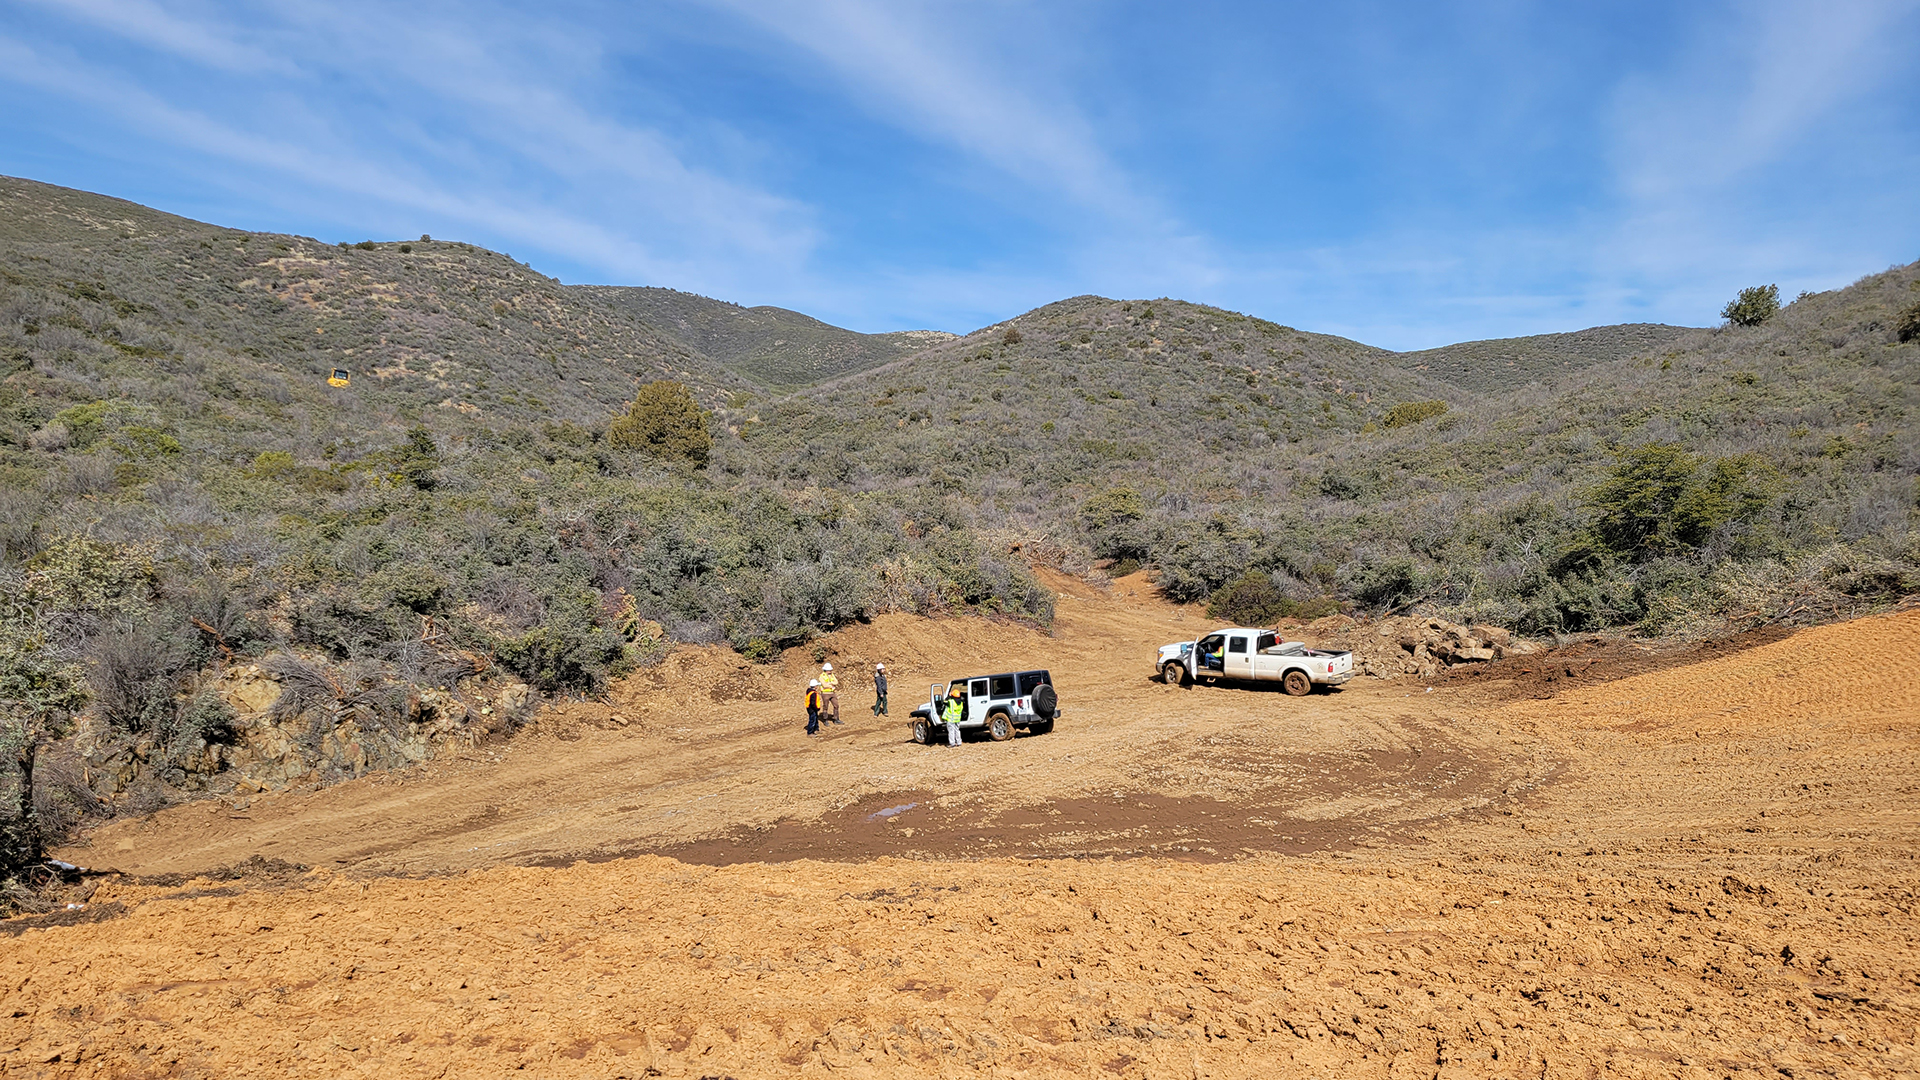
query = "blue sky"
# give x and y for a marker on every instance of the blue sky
(1408, 174)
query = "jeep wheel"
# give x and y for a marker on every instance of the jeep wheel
(922, 732)
(1175, 673)
(999, 728)
(1297, 683)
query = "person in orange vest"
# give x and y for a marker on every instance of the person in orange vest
(813, 706)
(830, 701)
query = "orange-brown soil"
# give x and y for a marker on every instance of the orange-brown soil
(1699, 869)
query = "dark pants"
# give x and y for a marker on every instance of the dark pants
(813, 721)
(879, 704)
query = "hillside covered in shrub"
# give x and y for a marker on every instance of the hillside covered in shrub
(771, 346)
(1733, 474)
(530, 481)
(181, 488)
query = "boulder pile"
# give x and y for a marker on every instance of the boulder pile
(1415, 645)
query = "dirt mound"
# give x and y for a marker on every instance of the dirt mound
(1694, 870)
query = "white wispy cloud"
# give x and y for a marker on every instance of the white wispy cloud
(918, 66)
(1745, 93)
(471, 120)
(153, 25)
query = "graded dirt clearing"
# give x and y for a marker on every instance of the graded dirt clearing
(1696, 870)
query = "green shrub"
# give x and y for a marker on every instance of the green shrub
(417, 461)
(1753, 306)
(272, 463)
(1908, 326)
(1252, 599)
(1660, 500)
(419, 589)
(664, 421)
(1412, 412)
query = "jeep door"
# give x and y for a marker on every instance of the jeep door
(978, 699)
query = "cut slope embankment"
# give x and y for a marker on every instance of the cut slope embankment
(1718, 878)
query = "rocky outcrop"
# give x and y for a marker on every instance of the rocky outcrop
(1408, 645)
(334, 725)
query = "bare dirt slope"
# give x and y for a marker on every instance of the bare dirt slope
(1705, 870)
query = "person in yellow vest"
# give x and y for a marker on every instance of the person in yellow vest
(813, 706)
(830, 710)
(954, 710)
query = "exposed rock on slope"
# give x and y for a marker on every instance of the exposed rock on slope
(294, 721)
(1423, 646)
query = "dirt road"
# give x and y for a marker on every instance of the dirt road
(1703, 870)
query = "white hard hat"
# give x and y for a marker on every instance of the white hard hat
(826, 667)
(813, 682)
(879, 667)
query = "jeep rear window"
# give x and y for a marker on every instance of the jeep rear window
(1032, 681)
(1002, 686)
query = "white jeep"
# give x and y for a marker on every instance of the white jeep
(996, 703)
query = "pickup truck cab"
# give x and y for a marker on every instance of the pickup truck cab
(1252, 655)
(996, 703)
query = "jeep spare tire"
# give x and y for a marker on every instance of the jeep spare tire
(1045, 701)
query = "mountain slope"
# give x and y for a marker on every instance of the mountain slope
(1212, 444)
(777, 348)
(425, 326)
(1066, 393)
(1505, 363)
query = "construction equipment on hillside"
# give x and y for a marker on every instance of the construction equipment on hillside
(340, 377)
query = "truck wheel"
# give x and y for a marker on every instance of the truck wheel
(999, 728)
(1175, 673)
(1297, 683)
(922, 732)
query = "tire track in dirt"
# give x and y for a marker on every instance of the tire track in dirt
(1722, 883)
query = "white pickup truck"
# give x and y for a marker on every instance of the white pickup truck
(1251, 655)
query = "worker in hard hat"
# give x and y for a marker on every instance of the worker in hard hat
(879, 689)
(953, 710)
(813, 706)
(829, 683)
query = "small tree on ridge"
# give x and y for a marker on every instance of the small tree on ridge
(1753, 306)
